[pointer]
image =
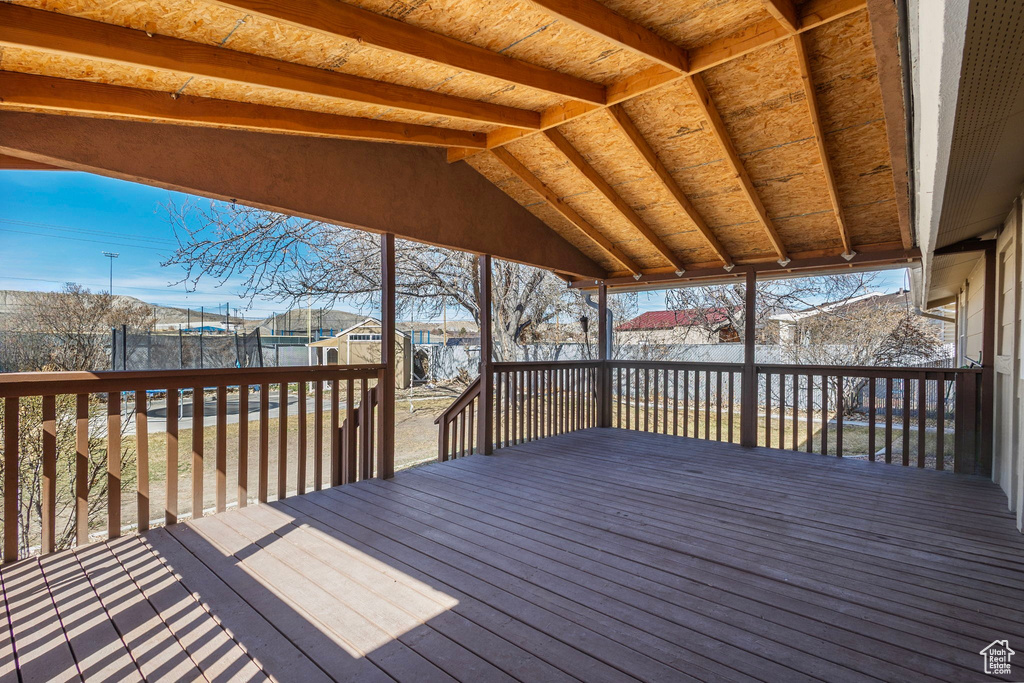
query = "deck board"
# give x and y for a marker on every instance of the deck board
(602, 555)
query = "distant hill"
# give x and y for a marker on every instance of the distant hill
(14, 301)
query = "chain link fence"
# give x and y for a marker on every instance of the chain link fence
(146, 350)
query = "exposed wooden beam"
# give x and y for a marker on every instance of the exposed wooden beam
(813, 13)
(864, 260)
(369, 28)
(602, 186)
(785, 12)
(732, 157)
(819, 137)
(65, 35)
(885, 32)
(595, 18)
(44, 93)
(9, 163)
(534, 183)
(636, 138)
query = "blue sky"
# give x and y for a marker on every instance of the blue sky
(55, 226)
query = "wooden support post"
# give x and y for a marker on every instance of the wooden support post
(485, 415)
(988, 357)
(748, 400)
(604, 385)
(386, 389)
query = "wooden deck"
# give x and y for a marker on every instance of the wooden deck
(601, 555)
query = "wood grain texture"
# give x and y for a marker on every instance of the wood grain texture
(583, 555)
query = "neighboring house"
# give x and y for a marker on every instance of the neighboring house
(797, 326)
(360, 344)
(711, 326)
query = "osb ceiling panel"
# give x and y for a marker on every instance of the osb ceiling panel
(755, 86)
(690, 23)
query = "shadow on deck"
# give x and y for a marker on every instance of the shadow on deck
(601, 555)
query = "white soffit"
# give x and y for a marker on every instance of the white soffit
(974, 190)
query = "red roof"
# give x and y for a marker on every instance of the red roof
(667, 320)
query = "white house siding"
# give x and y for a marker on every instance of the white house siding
(1008, 460)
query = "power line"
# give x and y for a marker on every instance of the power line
(102, 233)
(83, 239)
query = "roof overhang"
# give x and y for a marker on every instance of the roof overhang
(969, 131)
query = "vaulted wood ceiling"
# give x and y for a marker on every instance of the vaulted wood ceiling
(656, 137)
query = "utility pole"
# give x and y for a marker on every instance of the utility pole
(111, 255)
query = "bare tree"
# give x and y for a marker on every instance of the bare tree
(710, 304)
(64, 331)
(288, 258)
(69, 330)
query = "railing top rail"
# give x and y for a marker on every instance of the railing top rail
(52, 383)
(468, 394)
(671, 364)
(858, 370)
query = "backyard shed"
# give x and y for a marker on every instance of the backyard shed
(360, 344)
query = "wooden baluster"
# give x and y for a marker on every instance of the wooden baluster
(221, 451)
(686, 402)
(496, 439)
(888, 419)
(470, 425)
(365, 418)
(675, 401)
(198, 428)
(707, 405)
(840, 407)
(871, 419)
(336, 468)
(732, 399)
(114, 464)
(171, 491)
(768, 409)
(49, 483)
(282, 440)
(906, 421)
(538, 405)
(796, 410)
(656, 399)
(824, 415)
(696, 404)
(922, 413)
(243, 445)
(513, 421)
(940, 422)
(462, 433)
(318, 435)
(263, 485)
(12, 513)
(301, 455)
(81, 470)
(718, 405)
(808, 442)
(781, 410)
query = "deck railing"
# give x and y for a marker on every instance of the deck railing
(75, 441)
(686, 399)
(535, 400)
(532, 400)
(923, 417)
